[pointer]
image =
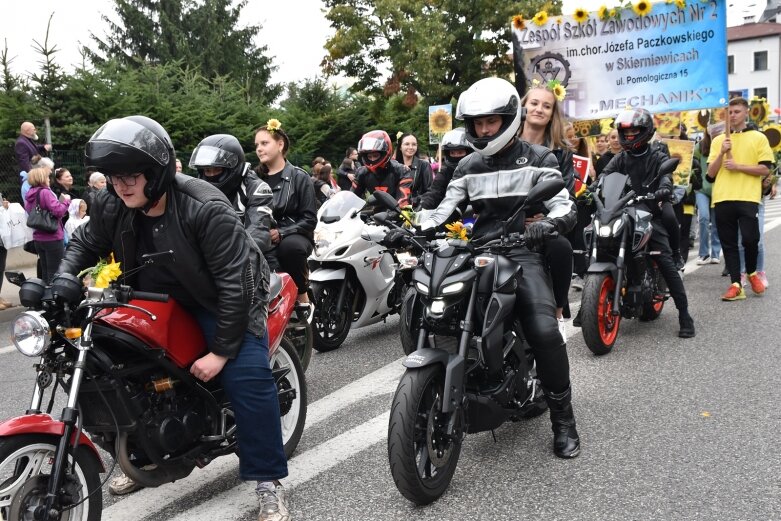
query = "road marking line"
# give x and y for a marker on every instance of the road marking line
(7, 349)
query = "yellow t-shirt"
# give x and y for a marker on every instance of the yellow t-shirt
(748, 148)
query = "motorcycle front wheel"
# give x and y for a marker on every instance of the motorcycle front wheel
(292, 395)
(422, 456)
(25, 465)
(329, 324)
(599, 325)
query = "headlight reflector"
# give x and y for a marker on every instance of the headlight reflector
(450, 289)
(30, 333)
(421, 288)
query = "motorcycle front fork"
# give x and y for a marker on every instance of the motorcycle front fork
(620, 269)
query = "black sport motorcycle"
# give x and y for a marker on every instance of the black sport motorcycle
(623, 279)
(470, 372)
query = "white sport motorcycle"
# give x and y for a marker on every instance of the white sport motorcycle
(355, 280)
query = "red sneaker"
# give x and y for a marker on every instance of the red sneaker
(735, 292)
(756, 283)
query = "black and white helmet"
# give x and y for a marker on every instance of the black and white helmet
(454, 140)
(489, 97)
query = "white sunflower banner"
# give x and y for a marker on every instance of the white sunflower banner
(664, 56)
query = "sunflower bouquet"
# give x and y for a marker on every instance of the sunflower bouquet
(102, 274)
(457, 231)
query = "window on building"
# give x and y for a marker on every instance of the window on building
(730, 64)
(760, 61)
(760, 92)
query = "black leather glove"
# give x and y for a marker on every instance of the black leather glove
(663, 194)
(396, 238)
(428, 233)
(537, 233)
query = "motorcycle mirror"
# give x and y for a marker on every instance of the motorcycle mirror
(669, 166)
(543, 191)
(16, 278)
(382, 218)
(386, 200)
(163, 258)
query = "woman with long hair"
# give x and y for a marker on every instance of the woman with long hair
(294, 206)
(49, 245)
(407, 154)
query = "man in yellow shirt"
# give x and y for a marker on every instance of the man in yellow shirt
(736, 165)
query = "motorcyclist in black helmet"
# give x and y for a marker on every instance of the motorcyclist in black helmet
(495, 180)
(454, 148)
(640, 160)
(217, 277)
(219, 159)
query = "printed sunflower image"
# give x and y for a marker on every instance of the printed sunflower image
(518, 22)
(541, 18)
(680, 4)
(440, 121)
(773, 134)
(642, 8)
(603, 12)
(457, 231)
(758, 111)
(102, 274)
(581, 15)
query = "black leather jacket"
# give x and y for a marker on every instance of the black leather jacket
(642, 171)
(252, 202)
(394, 179)
(422, 177)
(497, 185)
(294, 203)
(216, 260)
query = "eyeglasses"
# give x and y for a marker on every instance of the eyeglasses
(127, 180)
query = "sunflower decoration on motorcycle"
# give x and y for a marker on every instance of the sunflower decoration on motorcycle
(102, 274)
(408, 216)
(457, 231)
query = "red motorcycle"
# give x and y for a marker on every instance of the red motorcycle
(123, 358)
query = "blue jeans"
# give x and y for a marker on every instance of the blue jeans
(761, 251)
(710, 246)
(250, 387)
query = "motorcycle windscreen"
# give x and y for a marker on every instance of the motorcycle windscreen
(613, 188)
(339, 205)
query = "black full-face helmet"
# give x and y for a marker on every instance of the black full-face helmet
(454, 140)
(131, 145)
(635, 119)
(220, 151)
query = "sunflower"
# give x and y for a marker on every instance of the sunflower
(642, 8)
(680, 3)
(518, 22)
(541, 18)
(773, 134)
(457, 231)
(759, 111)
(612, 13)
(581, 15)
(557, 89)
(605, 125)
(558, 20)
(103, 273)
(602, 13)
(273, 125)
(440, 121)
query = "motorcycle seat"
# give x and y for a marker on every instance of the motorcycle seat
(274, 286)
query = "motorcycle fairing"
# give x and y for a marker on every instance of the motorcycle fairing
(44, 424)
(326, 274)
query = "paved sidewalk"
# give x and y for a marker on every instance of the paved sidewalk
(18, 260)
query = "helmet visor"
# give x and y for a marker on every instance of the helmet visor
(372, 144)
(131, 134)
(205, 156)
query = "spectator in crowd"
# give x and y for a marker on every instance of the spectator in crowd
(38, 162)
(63, 184)
(317, 164)
(422, 176)
(96, 183)
(613, 149)
(178, 166)
(4, 304)
(710, 246)
(768, 192)
(325, 186)
(294, 206)
(77, 212)
(49, 245)
(346, 174)
(600, 146)
(26, 147)
(736, 165)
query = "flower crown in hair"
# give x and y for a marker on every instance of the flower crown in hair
(273, 125)
(554, 86)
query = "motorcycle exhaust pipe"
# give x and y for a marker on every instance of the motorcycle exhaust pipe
(148, 478)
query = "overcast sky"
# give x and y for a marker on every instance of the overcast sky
(294, 30)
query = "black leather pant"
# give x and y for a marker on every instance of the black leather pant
(536, 310)
(290, 256)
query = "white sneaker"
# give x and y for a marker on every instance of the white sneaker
(701, 261)
(715, 260)
(273, 504)
(563, 329)
(122, 485)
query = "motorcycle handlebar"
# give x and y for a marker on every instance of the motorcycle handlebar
(148, 295)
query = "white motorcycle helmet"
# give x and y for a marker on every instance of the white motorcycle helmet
(490, 96)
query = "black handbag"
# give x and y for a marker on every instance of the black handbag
(42, 220)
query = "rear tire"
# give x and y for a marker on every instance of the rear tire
(329, 325)
(422, 459)
(292, 411)
(652, 310)
(598, 324)
(25, 458)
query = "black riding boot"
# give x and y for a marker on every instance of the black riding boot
(566, 443)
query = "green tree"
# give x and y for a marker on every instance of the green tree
(203, 35)
(436, 48)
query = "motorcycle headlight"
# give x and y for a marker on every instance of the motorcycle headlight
(437, 307)
(604, 230)
(30, 333)
(617, 224)
(455, 287)
(324, 238)
(422, 288)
